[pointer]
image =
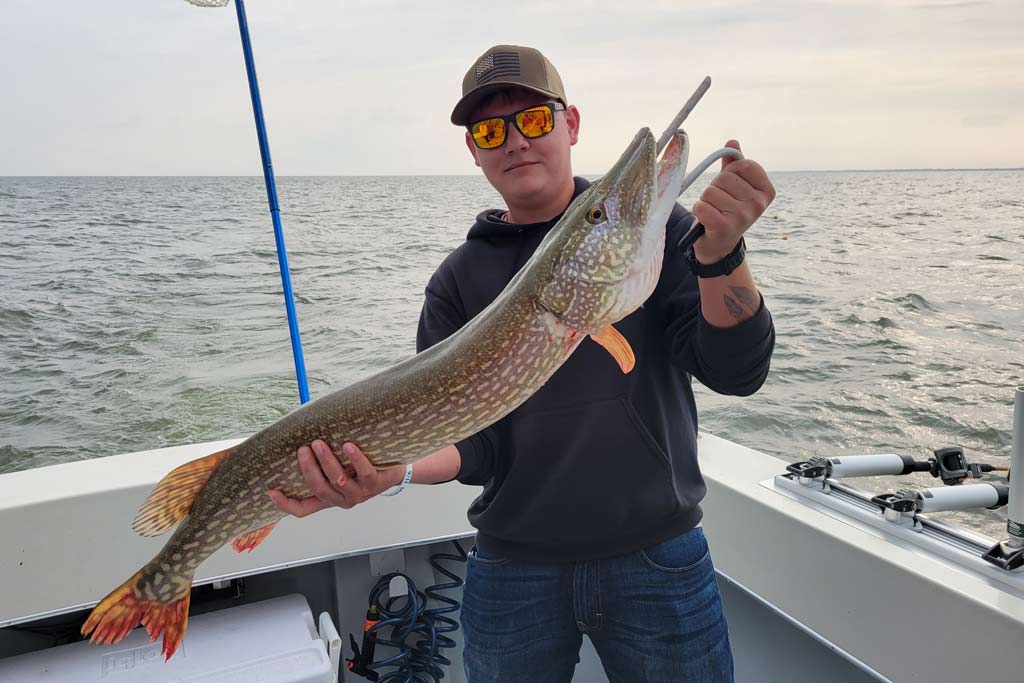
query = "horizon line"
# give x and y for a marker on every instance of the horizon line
(926, 169)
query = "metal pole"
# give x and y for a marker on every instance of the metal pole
(683, 113)
(275, 211)
(1015, 509)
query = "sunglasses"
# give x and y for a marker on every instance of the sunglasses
(532, 122)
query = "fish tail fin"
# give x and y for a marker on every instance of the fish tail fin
(121, 611)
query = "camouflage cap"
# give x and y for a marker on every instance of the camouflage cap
(505, 66)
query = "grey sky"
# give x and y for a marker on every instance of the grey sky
(123, 87)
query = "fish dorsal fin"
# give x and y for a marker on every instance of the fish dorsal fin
(172, 498)
(616, 344)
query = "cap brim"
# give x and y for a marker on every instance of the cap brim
(470, 101)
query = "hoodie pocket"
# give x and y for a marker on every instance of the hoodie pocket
(581, 475)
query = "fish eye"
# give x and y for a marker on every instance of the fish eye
(596, 214)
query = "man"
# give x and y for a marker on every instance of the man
(588, 520)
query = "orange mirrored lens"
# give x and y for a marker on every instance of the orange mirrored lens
(489, 133)
(535, 122)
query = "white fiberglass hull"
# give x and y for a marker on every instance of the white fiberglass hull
(804, 587)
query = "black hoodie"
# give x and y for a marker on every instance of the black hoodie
(596, 463)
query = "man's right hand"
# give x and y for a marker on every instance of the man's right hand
(331, 484)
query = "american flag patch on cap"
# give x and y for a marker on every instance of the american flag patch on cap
(497, 65)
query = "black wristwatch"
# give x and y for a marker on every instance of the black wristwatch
(730, 263)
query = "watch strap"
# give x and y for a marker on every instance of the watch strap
(728, 264)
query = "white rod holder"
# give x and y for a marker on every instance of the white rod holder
(1015, 508)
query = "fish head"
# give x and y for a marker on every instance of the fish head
(607, 249)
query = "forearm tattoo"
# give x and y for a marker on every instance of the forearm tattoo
(742, 303)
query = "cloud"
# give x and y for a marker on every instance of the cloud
(367, 87)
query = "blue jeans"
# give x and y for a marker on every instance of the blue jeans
(653, 616)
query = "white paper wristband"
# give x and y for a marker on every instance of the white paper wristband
(395, 490)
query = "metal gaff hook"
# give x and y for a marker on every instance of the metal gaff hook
(697, 230)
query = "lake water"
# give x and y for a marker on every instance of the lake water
(137, 313)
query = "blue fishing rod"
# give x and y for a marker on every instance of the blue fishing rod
(275, 211)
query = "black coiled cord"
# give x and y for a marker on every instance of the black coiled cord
(443, 624)
(407, 617)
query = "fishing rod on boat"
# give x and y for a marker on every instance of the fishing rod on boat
(268, 179)
(275, 210)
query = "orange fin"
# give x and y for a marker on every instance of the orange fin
(171, 500)
(120, 612)
(251, 539)
(616, 344)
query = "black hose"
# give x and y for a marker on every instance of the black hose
(406, 618)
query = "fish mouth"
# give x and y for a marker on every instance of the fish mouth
(646, 188)
(670, 174)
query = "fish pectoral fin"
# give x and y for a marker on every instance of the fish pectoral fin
(251, 539)
(615, 344)
(172, 499)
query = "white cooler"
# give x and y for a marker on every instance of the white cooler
(273, 641)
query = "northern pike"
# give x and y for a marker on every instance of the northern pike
(598, 263)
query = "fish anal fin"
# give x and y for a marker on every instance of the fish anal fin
(251, 539)
(615, 344)
(171, 500)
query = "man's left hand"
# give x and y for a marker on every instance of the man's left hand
(333, 484)
(736, 198)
